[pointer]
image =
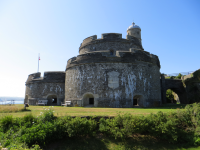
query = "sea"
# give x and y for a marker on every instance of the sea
(11, 100)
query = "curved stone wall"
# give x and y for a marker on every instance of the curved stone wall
(114, 84)
(114, 81)
(132, 56)
(109, 41)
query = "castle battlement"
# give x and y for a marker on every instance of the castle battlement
(109, 41)
(133, 56)
(49, 76)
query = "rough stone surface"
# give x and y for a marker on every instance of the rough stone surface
(128, 81)
(192, 84)
(37, 88)
(111, 41)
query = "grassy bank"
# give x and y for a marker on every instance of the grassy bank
(177, 129)
(82, 111)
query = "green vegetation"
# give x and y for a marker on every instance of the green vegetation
(174, 77)
(10, 109)
(180, 127)
(191, 84)
(169, 95)
(82, 111)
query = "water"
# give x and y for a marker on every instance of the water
(6, 100)
(19, 102)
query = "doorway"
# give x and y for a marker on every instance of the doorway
(136, 100)
(88, 100)
(91, 100)
(52, 100)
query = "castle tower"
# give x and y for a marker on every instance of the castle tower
(134, 31)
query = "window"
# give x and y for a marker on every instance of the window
(111, 52)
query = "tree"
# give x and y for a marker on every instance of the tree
(179, 76)
(169, 95)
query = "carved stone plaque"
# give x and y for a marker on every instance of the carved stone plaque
(113, 79)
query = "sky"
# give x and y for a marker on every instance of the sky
(170, 29)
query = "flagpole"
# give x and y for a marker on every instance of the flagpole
(38, 61)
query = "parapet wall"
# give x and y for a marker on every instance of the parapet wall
(89, 39)
(132, 56)
(108, 41)
(33, 76)
(54, 76)
(59, 75)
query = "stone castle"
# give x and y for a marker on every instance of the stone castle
(108, 72)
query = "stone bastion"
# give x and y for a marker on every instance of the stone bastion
(114, 77)
(50, 87)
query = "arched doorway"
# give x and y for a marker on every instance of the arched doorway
(172, 96)
(177, 86)
(52, 100)
(88, 99)
(137, 100)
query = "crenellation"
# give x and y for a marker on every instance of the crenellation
(111, 36)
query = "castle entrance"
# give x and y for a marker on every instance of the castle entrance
(91, 100)
(88, 100)
(136, 100)
(52, 100)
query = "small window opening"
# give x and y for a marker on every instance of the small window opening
(91, 100)
(111, 52)
(135, 101)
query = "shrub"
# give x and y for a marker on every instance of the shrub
(174, 127)
(47, 114)
(6, 123)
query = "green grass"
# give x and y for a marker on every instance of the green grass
(107, 143)
(81, 111)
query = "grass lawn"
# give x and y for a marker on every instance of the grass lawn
(84, 111)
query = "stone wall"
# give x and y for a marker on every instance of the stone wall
(109, 41)
(114, 81)
(177, 86)
(193, 87)
(136, 32)
(40, 88)
(121, 57)
(187, 76)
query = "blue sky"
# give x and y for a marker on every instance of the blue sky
(56, 28)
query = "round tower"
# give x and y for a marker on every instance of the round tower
(135, 31)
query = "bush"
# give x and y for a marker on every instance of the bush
(174, 127)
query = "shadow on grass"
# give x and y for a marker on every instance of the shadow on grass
(109, 143)
(167, 106)
(164, 106)
(24, 110)
(77, 143)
